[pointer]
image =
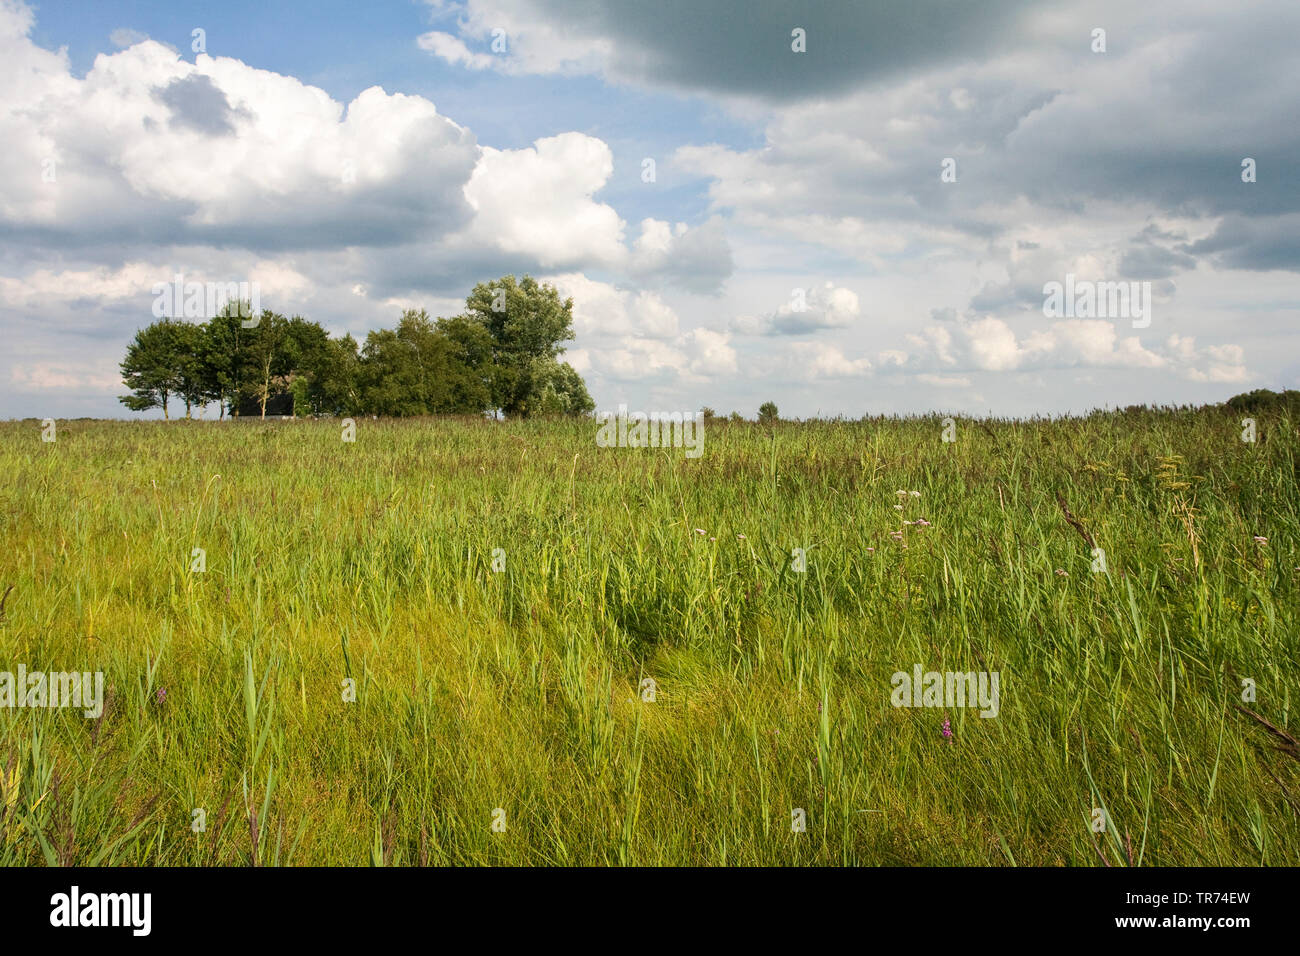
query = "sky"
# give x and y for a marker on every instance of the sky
(845, 208)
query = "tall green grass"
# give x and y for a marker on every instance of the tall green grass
(475, 689)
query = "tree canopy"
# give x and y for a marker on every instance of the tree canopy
(501, 355)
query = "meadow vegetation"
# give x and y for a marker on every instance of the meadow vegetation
(512, 679)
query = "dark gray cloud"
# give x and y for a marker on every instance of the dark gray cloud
(996, 298)
(197, 103)
(1146, 260)
(1258, 244)
(802, 323)
(744, 48)
(383, 219)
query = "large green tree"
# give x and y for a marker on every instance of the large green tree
(191, 381)
(225, 358)
(153, 366)
(270, 348)
(528, 321)
(471, 368)
(404, 371)
(327, 377)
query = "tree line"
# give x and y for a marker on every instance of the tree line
(500, 355)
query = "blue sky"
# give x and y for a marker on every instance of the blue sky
(800, 241)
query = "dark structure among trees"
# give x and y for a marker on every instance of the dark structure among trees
(501, 355)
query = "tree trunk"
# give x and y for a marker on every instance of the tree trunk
(266, 384)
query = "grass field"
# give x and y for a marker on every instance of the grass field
(520, 690)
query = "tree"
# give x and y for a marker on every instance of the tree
(339, 383)
(767, 413)
(1265, 400)
(560, 390)
(327, 378)
(269, 356)
(527, 323)
(390, 376)
(151, 366)
(189, 379)
(224, 358)
(471, 369)
(306, 354)
(412, 370)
